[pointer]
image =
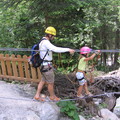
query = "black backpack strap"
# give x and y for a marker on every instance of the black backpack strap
(42, 39)
(47, 50)
(45, 55)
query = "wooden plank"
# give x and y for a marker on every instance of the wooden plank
(13, 59)
(20, 67)
(3, 65)
(19, 78)
(14, 66)
(26, 66)
(33, 73)
(8, 66)
(39, 73)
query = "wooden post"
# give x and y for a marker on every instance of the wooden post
(8, 65)
(20, 66)
(14, 66)
(3, 64)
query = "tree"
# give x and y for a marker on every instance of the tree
(90, 22)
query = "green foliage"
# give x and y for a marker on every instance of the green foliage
(102, 68)
(78, 22)
(69, 108)
(119, 60)
(66, 63)
(102, 105)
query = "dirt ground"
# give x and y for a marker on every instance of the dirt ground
(66, 86)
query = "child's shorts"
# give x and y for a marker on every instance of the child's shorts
(80, 77)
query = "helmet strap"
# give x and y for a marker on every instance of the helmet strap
(49, 36)
(85, 55)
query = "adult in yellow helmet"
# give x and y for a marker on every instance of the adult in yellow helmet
(47, 71)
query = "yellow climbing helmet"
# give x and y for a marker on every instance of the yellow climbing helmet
(50, 30)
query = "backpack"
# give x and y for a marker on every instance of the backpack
(35, 59)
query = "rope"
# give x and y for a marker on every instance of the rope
(102, 51)
(74, 99)
(76, 50)
(94, 96)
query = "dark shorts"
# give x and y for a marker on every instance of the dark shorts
(49, 75)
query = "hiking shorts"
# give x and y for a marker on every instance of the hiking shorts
(48, 76)
(81, 79)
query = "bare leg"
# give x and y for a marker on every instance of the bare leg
(91, 78)
(79, 92)
(51, 89)
(51, 92)
(86, 89)
(40, 86)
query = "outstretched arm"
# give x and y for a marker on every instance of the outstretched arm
(58, 49)
(92, 56)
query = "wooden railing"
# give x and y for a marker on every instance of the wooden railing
(17, 68)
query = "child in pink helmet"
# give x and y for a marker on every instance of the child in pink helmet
(83, 59)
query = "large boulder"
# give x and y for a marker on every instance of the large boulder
(16, 103)
(108, 115)
(116, 109)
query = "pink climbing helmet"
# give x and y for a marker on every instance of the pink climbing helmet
(85, 50)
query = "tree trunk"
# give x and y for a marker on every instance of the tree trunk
(104, 43)
(117, 44)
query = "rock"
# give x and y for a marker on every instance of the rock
(96, 118)
(115, 73)
(110, 100)
(49, 111)
(16, 103)
(116, 109)
(97, 101)
(81, 117)
(108, 115)
(64, 118)
(118, 73)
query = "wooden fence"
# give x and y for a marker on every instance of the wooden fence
(17, 68)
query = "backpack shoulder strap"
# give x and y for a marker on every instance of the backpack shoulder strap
(47, 50)
(42, 39)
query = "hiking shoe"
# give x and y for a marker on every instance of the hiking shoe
(80, 96)
(89, 94)
(55, 99)
(39, 99)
